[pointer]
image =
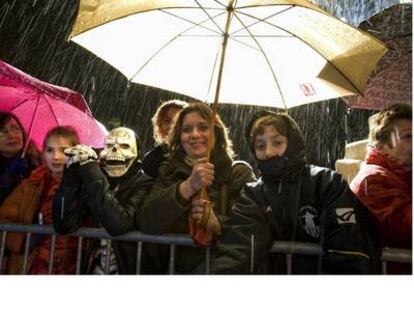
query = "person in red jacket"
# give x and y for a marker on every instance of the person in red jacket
(383, 183)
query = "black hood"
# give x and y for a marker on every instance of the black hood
(294, 157)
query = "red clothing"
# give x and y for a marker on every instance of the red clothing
(32, 196)
(65, 247)
(384, 188)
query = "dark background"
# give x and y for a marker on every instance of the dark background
(33, 38)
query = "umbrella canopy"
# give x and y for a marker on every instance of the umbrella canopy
(391, 81)
(279, 53)
(41, 106)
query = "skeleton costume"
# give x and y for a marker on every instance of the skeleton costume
(107, 193)
(296, 202)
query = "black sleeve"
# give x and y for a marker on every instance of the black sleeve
(152, 160)
(349, 244)
(69, 209)
(241, 174)
(116, 215)
(163, 208)
(232, 254)
(8, 182)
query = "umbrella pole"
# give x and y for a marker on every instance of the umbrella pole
(26, 146)
(214, 108)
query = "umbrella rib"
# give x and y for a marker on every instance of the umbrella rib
(19, 104)
(299, 38)
(233, 38)
(269, 23)
(29, 133)
(263, 36)
(245, 44)
(267, 60)
(222, 4)
(241, 36)
(212, 74)
(194, 23)
(209, 16)
(261, 20)
(165, 45)
(206, 36)
(155, 54)
(51, 110)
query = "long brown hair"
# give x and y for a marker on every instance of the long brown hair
(222, 140)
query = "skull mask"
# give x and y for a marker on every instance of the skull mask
(120, 151)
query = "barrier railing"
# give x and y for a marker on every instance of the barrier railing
(280, 247)
(98, 233)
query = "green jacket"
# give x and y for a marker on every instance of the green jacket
(166, 212)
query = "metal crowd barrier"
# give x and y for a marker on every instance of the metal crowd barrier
(398, 255)
(280, 247)
(98, 233)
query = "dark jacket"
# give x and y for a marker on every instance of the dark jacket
(296, 202)
(317, 208)
(88, 197)
(166, 212)
(152, 160)
(12, 172)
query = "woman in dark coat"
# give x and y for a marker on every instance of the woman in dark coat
(174, 202)
(294, 202)
(14, 166)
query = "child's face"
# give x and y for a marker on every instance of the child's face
(53, 154)
(269, 144)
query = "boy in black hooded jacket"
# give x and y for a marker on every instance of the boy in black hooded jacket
(294, 202)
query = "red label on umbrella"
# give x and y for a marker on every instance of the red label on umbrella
(307, 89)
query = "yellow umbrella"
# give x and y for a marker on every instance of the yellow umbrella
(279, 53)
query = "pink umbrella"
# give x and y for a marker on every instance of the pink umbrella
(41, 106)
(391, 82)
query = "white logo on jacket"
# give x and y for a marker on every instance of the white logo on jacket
(345, 215)
(307, 216)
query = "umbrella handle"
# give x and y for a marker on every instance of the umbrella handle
(206, 210)
(203, 191)
(214, 108)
